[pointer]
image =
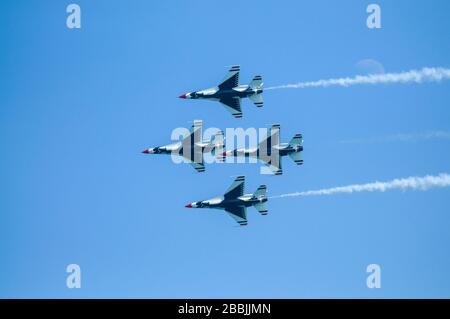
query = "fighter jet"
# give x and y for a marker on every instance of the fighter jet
(229, 92)
(270, 151)
(235, 203)
(192, 147)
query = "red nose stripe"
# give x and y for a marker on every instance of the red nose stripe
(188, 206)
(182, 96)
(146, 152)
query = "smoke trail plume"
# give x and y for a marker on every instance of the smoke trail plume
(413, 76)
(414, 137)
(412, 183)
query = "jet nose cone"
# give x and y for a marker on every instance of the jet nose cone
(145, 152)
(183, 96)
(188, 206)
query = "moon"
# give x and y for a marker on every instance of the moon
(370, 66)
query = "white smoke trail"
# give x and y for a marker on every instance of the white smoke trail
(413, 76)
(413, 183)
(414, 137)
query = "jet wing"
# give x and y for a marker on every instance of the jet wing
(268, 149)
(197, 128)
(233, 105)
(275, 168)
(236, 189)
(231, 80)
(274, 135)
(195, 159)
(238, 213)
(191, 151)
(273, 138)
(199, 167)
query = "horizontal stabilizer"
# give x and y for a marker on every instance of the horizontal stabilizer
(297, 143)
(296, 140)
(297, 157)
(256, 83)
(217, 140)
(261, 191)
(257, 99)
(262, 208)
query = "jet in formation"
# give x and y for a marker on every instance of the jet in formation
(192, 147)
(270, 151)
(235, 203)
(229, 92)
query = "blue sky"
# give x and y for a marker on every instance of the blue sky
(78, 107)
